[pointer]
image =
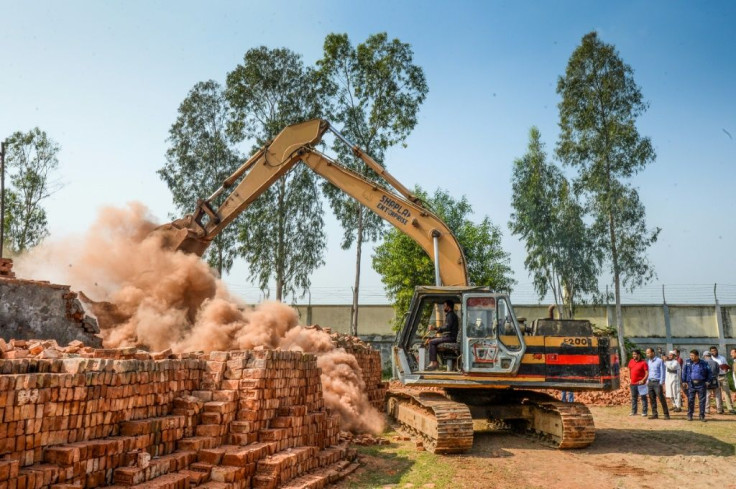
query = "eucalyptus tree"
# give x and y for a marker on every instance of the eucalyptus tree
(598, 112)
(200, 156)
(561, 254)
(31, 160)
(282, 232)
(403, 265)
(374, 91)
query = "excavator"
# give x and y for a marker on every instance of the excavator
(496, 370)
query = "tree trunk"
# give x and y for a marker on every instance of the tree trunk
(219, 261)
(356, 287)
(617, 292)
(280, 241)
(555, 281)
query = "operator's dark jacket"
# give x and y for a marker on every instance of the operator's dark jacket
(450, 327)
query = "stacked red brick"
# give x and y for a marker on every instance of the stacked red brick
(225, 421)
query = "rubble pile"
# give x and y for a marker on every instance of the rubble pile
(363, 439)
(44, 349)
(619, 397)
(6, 268)
(126, 418)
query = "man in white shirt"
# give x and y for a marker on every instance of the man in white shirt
(723, 369)
(672, 380)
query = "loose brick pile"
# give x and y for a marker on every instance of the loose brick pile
(129, 419)
(6, 268)
(42, 349)
(618, 397)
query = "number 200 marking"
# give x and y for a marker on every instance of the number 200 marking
(577, 341)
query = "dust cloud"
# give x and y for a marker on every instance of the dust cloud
(152, 298)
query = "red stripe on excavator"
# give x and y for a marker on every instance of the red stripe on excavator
(557, 359)
(573, 377)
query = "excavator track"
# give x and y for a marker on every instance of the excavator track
(442, 425)
(563, 425)
(445, 425)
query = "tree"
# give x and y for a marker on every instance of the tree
(598, 112)
(199, 158)
(403, 265)
(561, 254)
(31, 159)
(282, 232)
(579, 255)
(374, 91)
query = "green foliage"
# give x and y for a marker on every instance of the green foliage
(561, 252)
(599, 107)
(199, 158)
(372, 92)
(598, 112)
(30, 160)
(282, 232)
(403, 265)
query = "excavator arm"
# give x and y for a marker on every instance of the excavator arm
(295, 144)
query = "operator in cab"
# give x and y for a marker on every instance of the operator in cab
(448, 333)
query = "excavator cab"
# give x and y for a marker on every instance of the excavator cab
(489, 341)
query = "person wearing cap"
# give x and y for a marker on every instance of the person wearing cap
(723, 389)
(695, 375)
(638, 371)
(672, 380)
(655, 384)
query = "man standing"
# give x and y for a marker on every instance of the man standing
(733, 367)
(638, 371)
(712, 389)
(672, 380)
(655, 383)
(448, 331)
(695, 376)
(723, 369)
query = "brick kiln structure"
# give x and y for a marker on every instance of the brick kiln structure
(125, 418)
(34, 309)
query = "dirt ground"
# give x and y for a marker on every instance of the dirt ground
(629, 452)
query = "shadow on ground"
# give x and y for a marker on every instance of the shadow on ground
(658, 442)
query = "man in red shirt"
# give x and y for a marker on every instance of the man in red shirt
(639, 372)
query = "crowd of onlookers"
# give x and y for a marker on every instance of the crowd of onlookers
(659, 377)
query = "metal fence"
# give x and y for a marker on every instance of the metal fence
(522, 293)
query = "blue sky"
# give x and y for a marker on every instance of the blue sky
(104, 79)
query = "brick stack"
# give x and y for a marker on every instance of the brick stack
(227, 420)
(6, 268)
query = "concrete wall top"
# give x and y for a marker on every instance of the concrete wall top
(640, 320)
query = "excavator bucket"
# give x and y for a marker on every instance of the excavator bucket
(177, 236)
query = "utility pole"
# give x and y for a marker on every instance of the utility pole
(2, 196)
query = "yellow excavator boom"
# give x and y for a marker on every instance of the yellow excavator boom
(294, 144)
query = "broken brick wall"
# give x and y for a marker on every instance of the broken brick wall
(226, 420)
(30, 309)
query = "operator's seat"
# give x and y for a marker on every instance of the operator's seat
(450, 354)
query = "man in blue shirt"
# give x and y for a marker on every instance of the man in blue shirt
(655, 384)
(695, 376)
